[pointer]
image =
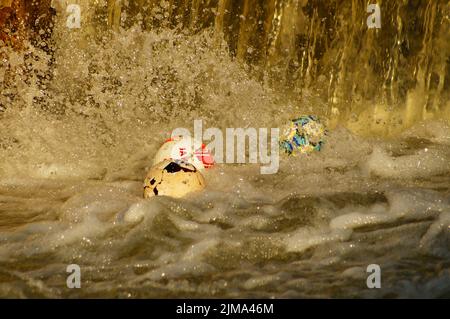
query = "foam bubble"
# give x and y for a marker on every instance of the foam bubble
(304, 238)
(424, 163)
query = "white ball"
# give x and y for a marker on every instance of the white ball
(186, 149)
(173, 178)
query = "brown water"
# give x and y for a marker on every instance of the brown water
(83, 115)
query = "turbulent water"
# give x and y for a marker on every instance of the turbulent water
(79, 129)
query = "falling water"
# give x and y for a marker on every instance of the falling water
(83, 111)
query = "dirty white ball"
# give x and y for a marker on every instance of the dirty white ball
(173, 178)
(186, 149)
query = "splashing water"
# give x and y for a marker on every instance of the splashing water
(81, 121)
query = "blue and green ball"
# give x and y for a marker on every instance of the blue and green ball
(304, 135)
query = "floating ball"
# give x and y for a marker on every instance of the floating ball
(303, 135)
(173, 178)
(185, 149)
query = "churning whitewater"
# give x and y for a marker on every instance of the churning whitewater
(79, 129)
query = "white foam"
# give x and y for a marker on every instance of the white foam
(141, 209)
(100, 201)
(354, 220)
(195, 252)
(408, 204)
(177, 270)
(435, 131)
(305, 238)
(354, 272)
(426, 162)
(436, 240)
